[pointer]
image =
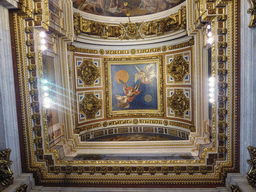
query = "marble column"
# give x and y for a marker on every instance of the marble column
(9, 137)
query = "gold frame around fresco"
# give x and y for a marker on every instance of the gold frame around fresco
(133, 61)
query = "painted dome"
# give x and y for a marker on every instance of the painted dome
(119, 8)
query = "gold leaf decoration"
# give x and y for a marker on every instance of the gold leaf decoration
(90, 105)
(88, 72)
(178, 68)
(178, 102)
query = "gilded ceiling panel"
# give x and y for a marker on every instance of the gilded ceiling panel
(153, 97)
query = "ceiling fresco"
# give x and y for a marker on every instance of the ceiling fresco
(117, 8)
(127, 105)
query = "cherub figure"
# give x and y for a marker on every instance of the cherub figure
(130, 92)
(146, 76)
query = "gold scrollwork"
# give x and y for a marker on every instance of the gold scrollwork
(6, 174)
(178, 102)
(235, 188)
(130, 30)
(22, 188)
(90, 105)
(251, 174)
(172, 23)
(178, 68)
(88, 72)
(252, 11)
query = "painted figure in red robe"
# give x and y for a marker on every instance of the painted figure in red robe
(130, 92)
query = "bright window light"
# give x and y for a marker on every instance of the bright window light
(211, 84)
(210, 40)
(45, 88)
(209, 34)
(211, 79)
(211, 100)
(43, 47)
(208, 26)
(47, 105)
(43, 41)
(47, 102)
(42, 34)
(46, 94)
(211, 95)
(211, 90)
(44, 81)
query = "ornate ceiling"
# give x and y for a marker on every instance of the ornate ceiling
(128, 99)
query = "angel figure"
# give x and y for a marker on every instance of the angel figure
(130, 92)
(146, 76)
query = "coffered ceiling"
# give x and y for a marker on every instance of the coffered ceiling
(124, 101)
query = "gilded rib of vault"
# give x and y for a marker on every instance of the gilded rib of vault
(97, 98)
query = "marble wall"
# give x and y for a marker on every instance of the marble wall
(9, 137)
(248, 87)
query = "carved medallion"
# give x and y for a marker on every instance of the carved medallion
(178, 68)
(90, 105)
(178, 102)
(88, 72)
(132, 30)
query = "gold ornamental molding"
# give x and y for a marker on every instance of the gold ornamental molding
(81, 50)
(252, 11)
(132, 51)
(182, 45)
(137, 122)
(6, 174)
(130, 30)
(251, 174)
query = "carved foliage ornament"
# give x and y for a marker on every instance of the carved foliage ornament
(251, 174)
(178, 102)
(6, 174)
(178, 68)
(22, 188)
(88, 72)
(252, 11)
(130, 30)
(235, 188)
(90, 105)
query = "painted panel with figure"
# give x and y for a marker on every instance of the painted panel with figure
(134, 86)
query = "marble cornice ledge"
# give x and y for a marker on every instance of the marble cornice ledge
(9, 4)
(240, 181)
